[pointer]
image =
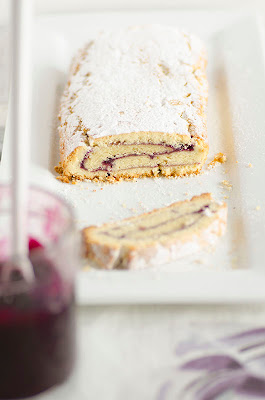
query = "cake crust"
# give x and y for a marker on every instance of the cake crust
(135, 106)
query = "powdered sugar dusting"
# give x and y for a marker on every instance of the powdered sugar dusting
(142, 78)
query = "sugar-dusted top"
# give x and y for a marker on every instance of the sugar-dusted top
(141, 78)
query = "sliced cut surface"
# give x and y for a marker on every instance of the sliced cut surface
(157, 237)
(135, 106)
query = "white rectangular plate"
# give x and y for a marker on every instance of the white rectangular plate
(236, 270)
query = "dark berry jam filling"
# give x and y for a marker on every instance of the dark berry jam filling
(184, 226)
(107, 165)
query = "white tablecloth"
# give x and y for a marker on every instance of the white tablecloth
(138, 352)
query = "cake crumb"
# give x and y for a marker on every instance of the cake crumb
(218, 158)
(250, 165)
(94, 190)
(227, 185)
(86, 267)
(124, 205)
(226, 197)
(58, 169)
(257, 208)
(200, 261)
(111, 179)
(63, 179)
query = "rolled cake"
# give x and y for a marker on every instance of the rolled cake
(157, 237)
(135, 106)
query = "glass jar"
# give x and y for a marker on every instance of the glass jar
(37, 318)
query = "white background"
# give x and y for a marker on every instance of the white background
(62, 6)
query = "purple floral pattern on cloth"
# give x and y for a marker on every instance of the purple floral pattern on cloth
(212, 363)
(230, 367)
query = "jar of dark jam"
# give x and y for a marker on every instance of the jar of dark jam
(37, 318)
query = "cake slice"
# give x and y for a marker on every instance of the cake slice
(135, 106)
(157, 237)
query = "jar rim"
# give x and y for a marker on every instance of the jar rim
(51, 245)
